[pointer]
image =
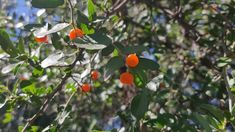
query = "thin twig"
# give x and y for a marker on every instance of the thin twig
(71, 15)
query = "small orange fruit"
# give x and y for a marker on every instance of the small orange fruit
(132, 60)
(94, 75)
(126, 78)
(41, 39)
(86, 87)
(74, 33)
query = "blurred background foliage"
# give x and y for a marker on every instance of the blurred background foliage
(184, 82)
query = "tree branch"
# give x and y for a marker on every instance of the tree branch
(52, 95)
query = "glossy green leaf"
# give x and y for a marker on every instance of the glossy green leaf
(139, 105)
(55, 38)
(147, 64)
(7, 45)
(113, 64)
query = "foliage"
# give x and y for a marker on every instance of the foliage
(184, 80)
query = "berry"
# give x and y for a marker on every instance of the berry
(132, 60)
(94, 75)
(74, 33)
(86, 87)
(41, 39)
(126, 78)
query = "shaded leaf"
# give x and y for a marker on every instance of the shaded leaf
(202, 122)
(139, 105)
(47, 3)
(147, 64)
(113, 64)
(7, 45)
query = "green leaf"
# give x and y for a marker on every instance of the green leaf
(139, 105)
(131, 49)
(8, 118)
(47, 3)
(108, 50)
(202, 122)
(113, 64)
(82, 18)
(7, 45)
(52, 59)
(233, 111)
(42, 32)
(86, 30)
(101, 38)
(29, 27)
(20, 45)
(37, 72)
(34, 128)
(91, 46)
(161, 120)
(214, 111)
(223, 61)
(91, 9)
(147, 64)
(28, 87)
(55, 38)
(10, 67)
(140, 77)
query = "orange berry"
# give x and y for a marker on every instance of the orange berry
(74, 33)
(41, 39)
(126, 78)
(94, 75)
(132, 60)
(86, 87)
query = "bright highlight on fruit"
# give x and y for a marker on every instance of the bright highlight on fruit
(86, 87)
(41, 39)
(74, 33)
(126, 78)
(95, 75)
(132, 60)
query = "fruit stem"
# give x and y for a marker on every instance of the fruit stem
(72, 17)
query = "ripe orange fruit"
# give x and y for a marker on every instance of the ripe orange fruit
(132, 60)
(41, 39)
(74, 33)
(86, 87)
(94, 75)
(126, 78)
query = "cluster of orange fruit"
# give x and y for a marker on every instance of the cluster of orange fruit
(131, 61)
(94, 76)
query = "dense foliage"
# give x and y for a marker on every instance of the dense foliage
(118, 65)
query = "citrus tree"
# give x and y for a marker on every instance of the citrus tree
(118, 65)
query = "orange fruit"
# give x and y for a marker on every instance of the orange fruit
(41, 39)
(132, 60)
(74, 33)
(126, 78)
(94, 75)
(86, 87)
